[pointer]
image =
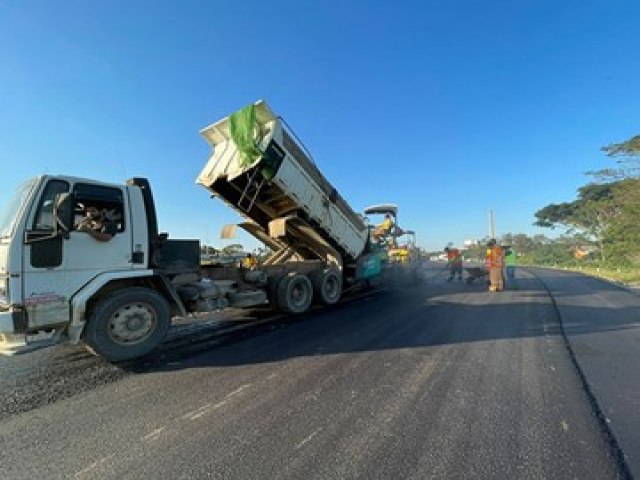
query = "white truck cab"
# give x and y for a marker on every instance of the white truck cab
(53, 277)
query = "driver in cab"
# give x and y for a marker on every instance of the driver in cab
(96, 224)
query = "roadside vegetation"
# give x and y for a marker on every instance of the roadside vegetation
(601, 225)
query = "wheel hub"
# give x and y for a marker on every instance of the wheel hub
(298, 294)
(132, 323)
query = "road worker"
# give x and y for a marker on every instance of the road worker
(249, 262)
(383, 229)
(454, 262)
(495, 264)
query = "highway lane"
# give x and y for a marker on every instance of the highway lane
(602, 324)
(446, 381)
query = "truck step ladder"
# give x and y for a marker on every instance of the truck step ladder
(251, 190)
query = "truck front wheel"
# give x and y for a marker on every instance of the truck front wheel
(295, 293)
(127, 324)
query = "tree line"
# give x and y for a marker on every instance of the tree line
(601, 225)
(602, 222)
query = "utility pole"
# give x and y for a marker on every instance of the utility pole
(492, 228)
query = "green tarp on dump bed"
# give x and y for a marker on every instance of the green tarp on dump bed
(242, 127)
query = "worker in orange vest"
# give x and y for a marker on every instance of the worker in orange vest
(495, 264)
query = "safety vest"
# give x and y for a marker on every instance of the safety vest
(454, 256)
(510, 258)
(495, 257)
(386, 224)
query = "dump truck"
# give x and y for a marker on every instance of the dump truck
(118, 296)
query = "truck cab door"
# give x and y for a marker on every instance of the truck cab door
(43, 285)
(57, 266)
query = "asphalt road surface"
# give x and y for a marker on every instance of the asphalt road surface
(444, 381)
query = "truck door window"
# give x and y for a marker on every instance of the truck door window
(109, 200)
(43, 219)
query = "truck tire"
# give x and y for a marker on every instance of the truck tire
(327, 286)
(272, 292)
(295, 293)
(127, 324)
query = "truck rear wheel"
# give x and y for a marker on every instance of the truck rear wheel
(327, 286)
(295, 293)
(272, 292)
(127, 324)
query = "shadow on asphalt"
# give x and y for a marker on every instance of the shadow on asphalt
(437, 314)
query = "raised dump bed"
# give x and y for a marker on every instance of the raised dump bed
(258, 168)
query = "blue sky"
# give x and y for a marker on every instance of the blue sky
(448, 109)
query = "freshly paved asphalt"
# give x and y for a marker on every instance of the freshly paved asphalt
(602, 324)
(444, 381)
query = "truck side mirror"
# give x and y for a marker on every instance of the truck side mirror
(64, 214)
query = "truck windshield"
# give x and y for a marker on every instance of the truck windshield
(9, 212)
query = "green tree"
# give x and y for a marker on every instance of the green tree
(628, 148)
(521, 242)
(233, 248)
(208, 250)
(623, 235)
(590, 214)
(627, 156)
